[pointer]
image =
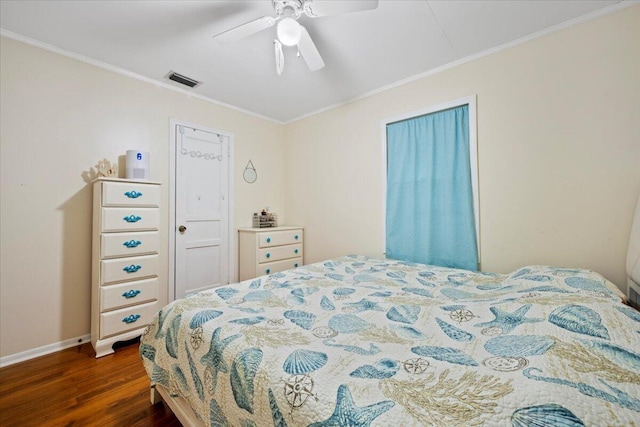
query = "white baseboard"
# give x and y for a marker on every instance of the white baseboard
(41, 351)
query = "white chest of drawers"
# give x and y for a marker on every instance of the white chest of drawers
(124, 283)
(269, 250)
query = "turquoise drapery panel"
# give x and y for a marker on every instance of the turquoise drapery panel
(429, 205)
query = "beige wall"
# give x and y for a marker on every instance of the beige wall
(59, 117)
(558, 143)
(558, 147)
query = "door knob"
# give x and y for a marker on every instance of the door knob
(182, 229)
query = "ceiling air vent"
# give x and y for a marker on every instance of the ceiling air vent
(179, 78)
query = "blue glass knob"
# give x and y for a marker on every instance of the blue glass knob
(132, 268)
(133, 194)
(268, 270)
(268, 239)
(295, 251)
(132, 218)
(132, 243)
(131, 294)
(131, 318)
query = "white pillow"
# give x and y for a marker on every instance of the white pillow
(633, 254)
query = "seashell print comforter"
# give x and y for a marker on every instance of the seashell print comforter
(357, 341)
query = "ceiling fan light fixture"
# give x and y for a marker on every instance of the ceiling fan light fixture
(289, 31)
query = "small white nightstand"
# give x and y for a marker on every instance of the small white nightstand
(269, 250)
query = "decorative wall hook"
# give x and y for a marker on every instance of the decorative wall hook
(250, 175)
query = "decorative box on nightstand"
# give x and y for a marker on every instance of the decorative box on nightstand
(124, 278)
(269, 250)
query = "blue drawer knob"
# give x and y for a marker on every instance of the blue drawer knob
(131, 318)
(268, 255)
(296, 237)
(268, 239)
(268, 270)
(295, 251)
(131, 294)
(132, 243)
(133, 194)
(295, 265)
(132, 268)
(132, 218)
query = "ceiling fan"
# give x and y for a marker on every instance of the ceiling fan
(290, 32)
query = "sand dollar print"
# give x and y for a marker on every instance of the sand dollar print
(324, 332)
(275, 322)
(492, 331)
(505, 364)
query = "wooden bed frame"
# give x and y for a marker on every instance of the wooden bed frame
(179, 406)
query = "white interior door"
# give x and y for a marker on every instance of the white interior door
(201, 242)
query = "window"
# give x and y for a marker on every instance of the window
(431, 197)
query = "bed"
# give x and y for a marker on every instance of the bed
(357, 341)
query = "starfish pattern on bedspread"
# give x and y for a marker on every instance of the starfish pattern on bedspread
(335, 344)
(508, 321)
(214, 357)
(347, 414)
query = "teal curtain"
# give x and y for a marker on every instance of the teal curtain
(430, 215)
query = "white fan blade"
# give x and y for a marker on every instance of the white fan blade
(309, 52)
(279, 56)
(317, 8)
(246, 30)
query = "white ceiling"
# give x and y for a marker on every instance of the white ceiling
(363, 51)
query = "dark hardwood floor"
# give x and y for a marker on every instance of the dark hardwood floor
(73, 388)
